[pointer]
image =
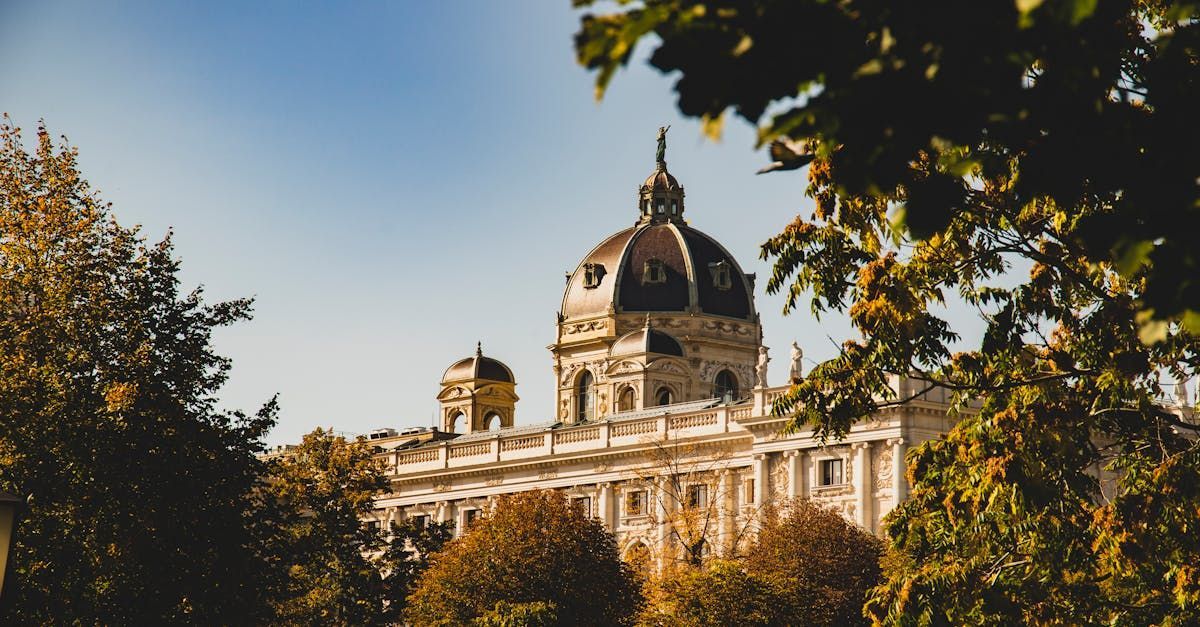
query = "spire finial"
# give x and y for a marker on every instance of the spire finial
(479, 349)
(647, 325)
(661, 155)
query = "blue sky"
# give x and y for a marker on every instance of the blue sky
(390, 181)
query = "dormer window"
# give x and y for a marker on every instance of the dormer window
(592, 274)
(654, 272)
(661, 206)
(674, 207)
(721, 275)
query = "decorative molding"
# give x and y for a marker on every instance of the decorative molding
(442, 487)
(547, 474)
(495, 480)
(732, 328)
(585, 327)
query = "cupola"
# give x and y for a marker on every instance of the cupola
(478, 393)
(660, 198)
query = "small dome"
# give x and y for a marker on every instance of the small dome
(646, 340)
(478, 367)
(660, 180)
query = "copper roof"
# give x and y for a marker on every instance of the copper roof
(686, 255)
(478, 367)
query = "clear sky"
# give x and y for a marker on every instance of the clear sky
(390, 181)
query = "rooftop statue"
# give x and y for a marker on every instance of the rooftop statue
(661, 156)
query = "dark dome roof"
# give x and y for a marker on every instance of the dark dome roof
(646, 341)
(478, 367)
(688, 258)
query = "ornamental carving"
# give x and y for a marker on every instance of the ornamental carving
(548, 474)
(585, 327)
(672, 323)
(779, 477)
(709, 370)
(882, 462)
(441, 487)
(494, 481)
(731, 328)
(601, 468)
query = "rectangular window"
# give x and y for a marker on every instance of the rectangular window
(374, 526)
(421, 521)
(471, 516)
(749, 490)
(697, 496)
(635, 503)
(583, 505)
(831, 472)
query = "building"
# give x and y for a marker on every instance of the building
(663, 408)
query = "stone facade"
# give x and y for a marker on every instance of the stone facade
(662, 408)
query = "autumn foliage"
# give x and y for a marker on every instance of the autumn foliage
(535, 554)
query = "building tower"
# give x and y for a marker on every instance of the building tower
(658, 313)
(478, 393)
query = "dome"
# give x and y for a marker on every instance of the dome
(646, 340)
(660, 180)
(659, 267)
(478, 367)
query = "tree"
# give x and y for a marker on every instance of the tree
(335, 561)
(720, 593)
(409, 553)
(533, 548)
(143, 506)
(946, 149)
(692, 502)
(822, 564)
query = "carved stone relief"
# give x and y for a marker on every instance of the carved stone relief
(881, 460)
(779, 477)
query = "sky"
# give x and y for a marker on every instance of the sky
(391, 182)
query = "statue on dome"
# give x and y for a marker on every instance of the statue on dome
(797, 371)
(661, 156)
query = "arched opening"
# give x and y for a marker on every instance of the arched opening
(585, 397)
(664, 396)
(627, 401)
(725, 387)
(491, 422)
(452, 423)
(639, 558)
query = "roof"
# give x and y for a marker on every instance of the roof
(687, 257)
(478, 367)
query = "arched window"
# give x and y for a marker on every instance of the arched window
(585, 393)
(627, 401)
(491, 421)
(664, 396)
(726, 386)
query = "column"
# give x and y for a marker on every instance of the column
(604, 506)
(899, 471)
(796, 478)
(662, 518)
(761, 477)
(724, 503)
(862, 482)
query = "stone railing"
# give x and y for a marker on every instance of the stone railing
(616, 431)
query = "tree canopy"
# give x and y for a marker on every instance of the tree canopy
(1035, 160)
(536, 555)
(143, 506)
(335, 562)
